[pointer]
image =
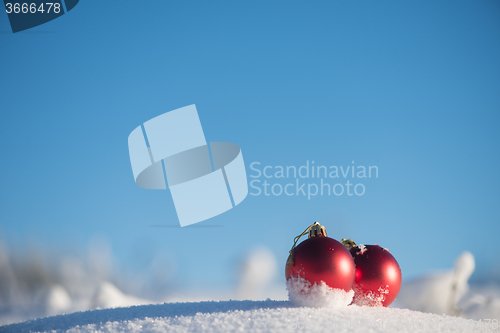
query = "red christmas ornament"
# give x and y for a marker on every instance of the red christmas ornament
(321, 258)
(378, 276)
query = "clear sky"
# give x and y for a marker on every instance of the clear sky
(412, 87)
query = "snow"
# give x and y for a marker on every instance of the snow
(478, 306)
(439, 292)
(257, 272)
(456, 306)
(56, 300)
(256, 316)
(302, 293)
(370, 299)
(109, 296)
(363, 249)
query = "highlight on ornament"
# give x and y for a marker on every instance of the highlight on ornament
(323, 272)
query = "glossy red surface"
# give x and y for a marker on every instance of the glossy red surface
(322, 259)
(378, 276)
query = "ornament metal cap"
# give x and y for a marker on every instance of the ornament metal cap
(317, 230)
(348, 243)
(314, 230)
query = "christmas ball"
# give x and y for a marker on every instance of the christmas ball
(378, 276)
(322, 259)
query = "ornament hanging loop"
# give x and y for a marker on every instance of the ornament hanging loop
(314, 230)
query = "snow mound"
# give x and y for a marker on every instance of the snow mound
(109, 296)
(439, 292)
(56, 300)
(302, 293)
(257, 272)
(477, 306)
(253, 316)
(361, 297)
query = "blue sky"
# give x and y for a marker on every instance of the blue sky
(409, 86)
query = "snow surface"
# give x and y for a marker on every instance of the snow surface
(444, 293)
(252, 316)
(302, 293)
(448, 292)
